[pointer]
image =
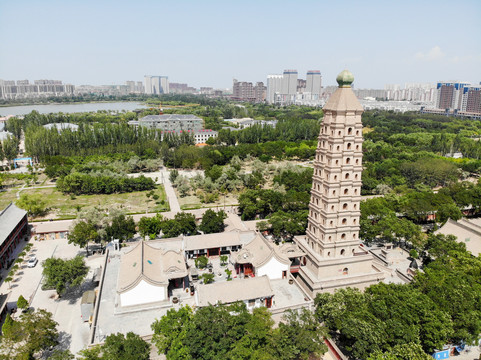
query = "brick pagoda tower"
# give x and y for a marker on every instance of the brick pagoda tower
(333, 257)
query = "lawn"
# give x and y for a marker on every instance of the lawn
(66, 206)
(193, 202)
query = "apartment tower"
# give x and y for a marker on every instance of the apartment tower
(313, 84)
(334, 257)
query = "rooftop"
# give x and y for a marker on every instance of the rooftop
(211, 241)
(155, 266)
(9, 219)
(170, 117)
(467, 231)
(61, 126)
(231, 291)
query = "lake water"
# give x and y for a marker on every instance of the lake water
(71, 108)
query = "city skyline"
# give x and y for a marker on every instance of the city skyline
(209, 44)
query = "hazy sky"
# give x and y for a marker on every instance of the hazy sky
(208, 43)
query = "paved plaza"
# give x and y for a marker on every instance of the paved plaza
(66, 310)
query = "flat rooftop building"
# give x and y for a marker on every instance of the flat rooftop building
(170, 122)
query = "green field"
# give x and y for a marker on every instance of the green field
(63, 206)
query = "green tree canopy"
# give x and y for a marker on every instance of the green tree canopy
(212, 222)
(61, 274)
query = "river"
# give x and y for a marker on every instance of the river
(71, 108)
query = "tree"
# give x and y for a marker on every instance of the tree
(186, 222)
(173, 175)
(22, 303)
(207, 278)
(223, 259)
(299, 336)
(82, 233)
(64, 274)
(449, 211)
(121, 228)
(8, 325)
(201, 262)
(170, 333)
(34, 332)
(150, 226)
(125, 347)
(212, 222)
(409, 351)
(33, 204)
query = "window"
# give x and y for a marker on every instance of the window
(343, 252)
(348, 160)
(347, 176)
(252, 302)
(346, 191)
(344, 221)
(348, 146)
(343, 236)
(349, 131)
(344, 207)
(345, 271)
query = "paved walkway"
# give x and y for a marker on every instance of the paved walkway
(33, 187)
(169, 190)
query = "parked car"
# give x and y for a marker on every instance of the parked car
(32, 262)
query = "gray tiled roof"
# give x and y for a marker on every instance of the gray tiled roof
(9, 218)
(169, 117)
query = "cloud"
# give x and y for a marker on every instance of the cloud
(434, 54)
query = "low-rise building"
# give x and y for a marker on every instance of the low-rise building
(61, 126)
(254, 293)
(148, 275)
(467, 231)
(13, 228)
(170, 122)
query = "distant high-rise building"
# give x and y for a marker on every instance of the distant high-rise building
(471, 101)
(450, 95)
(274, 86)
(245, 91)
(156, 85)
(40, 88)
(289, 86)
(242, 90)
(260, 92)
(313, 84)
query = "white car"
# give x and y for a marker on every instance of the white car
(32, 262)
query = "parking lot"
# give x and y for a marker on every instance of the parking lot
(66, 310)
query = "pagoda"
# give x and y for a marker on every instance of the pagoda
(334, 257)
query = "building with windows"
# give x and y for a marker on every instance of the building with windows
(274, 86)
(156, 85)
(334, 257)
(170, 122)
(40, 88)
(13, 228)
(314, 84)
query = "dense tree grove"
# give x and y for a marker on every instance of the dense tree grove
(232, 332)
(104, 182)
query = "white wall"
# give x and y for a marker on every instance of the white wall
(273, 269)
(143, 293)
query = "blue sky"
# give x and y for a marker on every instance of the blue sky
(208, 43)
